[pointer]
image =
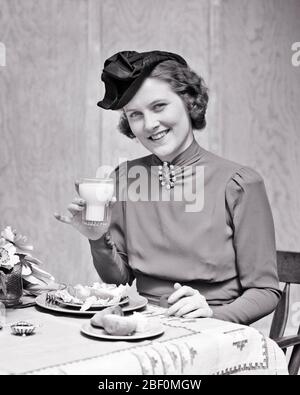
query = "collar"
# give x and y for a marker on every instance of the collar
(188, 157)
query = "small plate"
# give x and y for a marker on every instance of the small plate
(135, 302)
(93, 306)
(155, 330)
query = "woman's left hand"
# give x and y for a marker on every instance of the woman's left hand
(188, 302)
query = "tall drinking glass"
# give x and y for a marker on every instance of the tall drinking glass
(97, 192)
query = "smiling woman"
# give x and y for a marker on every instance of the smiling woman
(214, 259)
(158, 118)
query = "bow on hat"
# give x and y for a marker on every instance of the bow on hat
(124, 73)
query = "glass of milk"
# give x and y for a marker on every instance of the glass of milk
(97, 192)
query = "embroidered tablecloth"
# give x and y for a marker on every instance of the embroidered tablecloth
(203, 346)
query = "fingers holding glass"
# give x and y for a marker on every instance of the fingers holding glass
(79, 201)
(75, 209)
(90, 212)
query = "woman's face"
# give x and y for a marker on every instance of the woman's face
(158, 118)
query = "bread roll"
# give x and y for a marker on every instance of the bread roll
(119, 325)
(96, 320)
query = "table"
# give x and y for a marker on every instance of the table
(204, 346)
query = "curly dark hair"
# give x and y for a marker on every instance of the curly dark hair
(187, 84)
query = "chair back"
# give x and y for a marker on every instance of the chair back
(288, 264)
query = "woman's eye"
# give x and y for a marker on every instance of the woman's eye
(159, 106)
(134, 115)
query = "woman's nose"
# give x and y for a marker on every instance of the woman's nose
(151, 123)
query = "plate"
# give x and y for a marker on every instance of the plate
(95, 306)
(135, 302)
(155, 330)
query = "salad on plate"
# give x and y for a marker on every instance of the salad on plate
(97, 295)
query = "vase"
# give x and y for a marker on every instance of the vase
(11, 285)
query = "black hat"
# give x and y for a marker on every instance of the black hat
(125, 72)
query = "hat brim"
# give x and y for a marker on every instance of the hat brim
(120, 75)
(107, 103)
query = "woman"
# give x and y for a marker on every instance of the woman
(214, 255)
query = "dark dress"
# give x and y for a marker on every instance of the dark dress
(222, 244)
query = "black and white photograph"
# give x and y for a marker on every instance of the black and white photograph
(149, 190)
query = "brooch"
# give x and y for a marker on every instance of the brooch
(167, 175)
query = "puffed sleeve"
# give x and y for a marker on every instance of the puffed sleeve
(254, 242)
(109, 252)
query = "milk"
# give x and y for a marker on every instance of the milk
(97, 193)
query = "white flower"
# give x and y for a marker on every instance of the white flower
(16, 239)
(8, 234)
(8, 259)
(14, 248)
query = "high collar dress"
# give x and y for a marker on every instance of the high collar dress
(212, 230)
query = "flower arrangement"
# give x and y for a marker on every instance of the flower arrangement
(15, 250)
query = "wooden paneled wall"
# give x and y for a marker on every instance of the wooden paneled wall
(49, 124)
(52, 132)
(260, 103)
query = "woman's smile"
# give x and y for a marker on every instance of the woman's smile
(159, 135)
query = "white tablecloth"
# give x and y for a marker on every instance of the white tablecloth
(188, 346)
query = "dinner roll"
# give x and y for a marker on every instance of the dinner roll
(96, 320)
(119, 325)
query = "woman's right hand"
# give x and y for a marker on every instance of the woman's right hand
(75, 218)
